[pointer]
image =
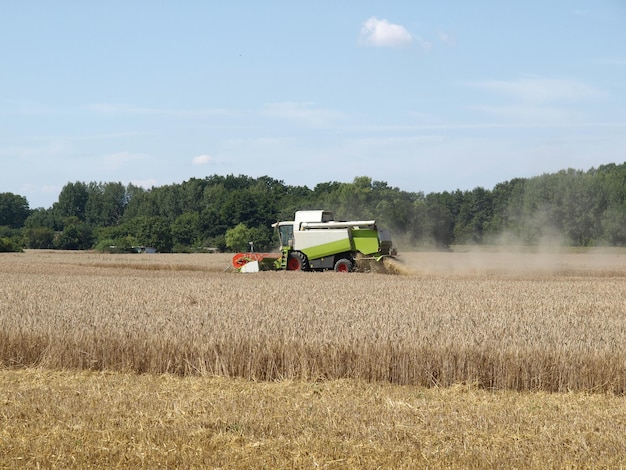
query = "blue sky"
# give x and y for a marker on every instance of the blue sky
(427, 96)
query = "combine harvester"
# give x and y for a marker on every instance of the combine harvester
(314, 241)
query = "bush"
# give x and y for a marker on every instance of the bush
(117, 245)
(9, 245)
(75, 236)
(38, 237)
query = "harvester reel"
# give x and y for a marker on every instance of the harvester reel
(297, 261)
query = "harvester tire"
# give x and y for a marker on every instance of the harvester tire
(297, 261)
(343, 266)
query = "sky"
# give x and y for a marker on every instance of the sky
(426, 96)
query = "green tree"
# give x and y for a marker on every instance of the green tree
(72, 200)
(38, 237)
(105, 203)
(438, 223)
(506, 198)
(614, 225)
(187, 229)
(13, 240)
(9, 245)
(75, 236)
(262, 238)
(14, 210)
(136, 200)
(45, 218)
(152, 231)
(239, 237)
(355, 199)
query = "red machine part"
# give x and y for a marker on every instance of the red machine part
(241, 259)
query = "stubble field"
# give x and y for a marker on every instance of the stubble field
(466, 359)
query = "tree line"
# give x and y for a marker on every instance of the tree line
(571, 207)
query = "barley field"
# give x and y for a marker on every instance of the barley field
(469, 359)
(502, 321)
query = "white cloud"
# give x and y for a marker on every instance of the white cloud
(542, 101)
(29, 108)
(37, 193)
(202, 160)
(541, 90)
(538, 115)
(146, 184)
(120, 158)
(125, 109)
(447, 39)
(302, 111)
(620, 62)
(50, 189)
(52, 147)
(424, 44)
(382, 33)
(109, 108)
(117, 160)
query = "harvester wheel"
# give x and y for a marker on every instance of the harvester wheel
(343, 266)
(297, 261)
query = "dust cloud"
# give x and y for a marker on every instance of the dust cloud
(513, 260)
